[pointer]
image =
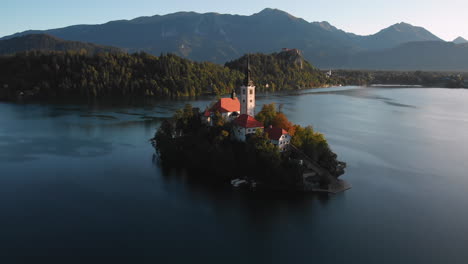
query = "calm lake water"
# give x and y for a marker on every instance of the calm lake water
(80, 181)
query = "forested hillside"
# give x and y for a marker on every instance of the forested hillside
(280, 71)
(81, 76)
(45, 42)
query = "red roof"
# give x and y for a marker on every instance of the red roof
(247, 121)
(207, 113)
(274, 133)
(225, 105)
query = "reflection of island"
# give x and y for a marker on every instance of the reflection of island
(227, 142)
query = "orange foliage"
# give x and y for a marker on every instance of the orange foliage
(282, 121)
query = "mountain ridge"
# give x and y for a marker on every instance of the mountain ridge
(44, 42)
(460, 40)
(414, 56)
(223, 37)
(265, 11)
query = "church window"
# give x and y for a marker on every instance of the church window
(251, 91)
(250, 100)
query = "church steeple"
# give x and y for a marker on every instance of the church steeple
(248, 73)
(248, 92)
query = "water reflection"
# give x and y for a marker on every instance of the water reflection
(261, 212)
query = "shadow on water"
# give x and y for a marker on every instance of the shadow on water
(398, 104)
(360, 92)
(263, 210)
(369, 93)
(104, 117)
(16, 149)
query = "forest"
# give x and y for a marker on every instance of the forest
(82, 76)
(427, 79)
(285, 70)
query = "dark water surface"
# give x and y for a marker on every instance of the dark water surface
(78, 183)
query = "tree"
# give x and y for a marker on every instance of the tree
(281, 121)
(218, 119)
(267, 114)
(312, 143)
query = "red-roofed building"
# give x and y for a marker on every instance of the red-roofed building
(229, 108)
(245, 125)
(278, 137)
(226, 105)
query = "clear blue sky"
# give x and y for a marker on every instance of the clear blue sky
(447, 19)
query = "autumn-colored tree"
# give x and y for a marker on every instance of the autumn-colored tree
(281, 121)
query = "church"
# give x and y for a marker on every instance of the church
(246, 123)
(241, 111)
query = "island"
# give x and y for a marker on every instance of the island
(228, 143)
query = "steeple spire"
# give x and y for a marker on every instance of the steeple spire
(247, 92)
(248, 80)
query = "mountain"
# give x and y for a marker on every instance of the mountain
(395, 35)
(215, 37)
(426, 55)
(222, 37)
(460, 40)
(45, 42)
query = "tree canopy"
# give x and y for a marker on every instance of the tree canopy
(269, 116)
(280, 71)
(82, 76)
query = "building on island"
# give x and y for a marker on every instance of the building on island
(247, 95)
(229, 108)
(278, 137)
(245, 125)
(241, 111)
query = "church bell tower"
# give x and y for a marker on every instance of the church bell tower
(247, 93)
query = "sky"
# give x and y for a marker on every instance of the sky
(447, 19)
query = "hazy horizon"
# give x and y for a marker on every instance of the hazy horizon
(360, 17)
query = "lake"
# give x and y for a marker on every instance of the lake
(77, 183)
